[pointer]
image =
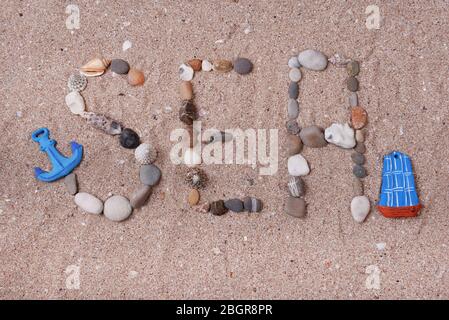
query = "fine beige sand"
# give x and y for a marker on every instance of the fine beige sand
(167, 250)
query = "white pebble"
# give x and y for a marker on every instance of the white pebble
(294, 74)
(298, 166)
(206, 65)
(360, 208)
(293, 62)
(75, 101)
(117, 208)
(313, 60)
(341, 135)
(185, 72)
(126, 45)
(89, 203)
(381, 246)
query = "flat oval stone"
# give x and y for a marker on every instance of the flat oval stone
(297, 166)
(218, 208)
(149, 174)
(359, 171)
(194, 197)
(135, 77)
(222, 65)
(313, 137)
(292, 127)
(358, 158)
(119, 66)
(252, 204)
(71, 183)
(359, 117)
(353, 99)
(293, 90)
(129, 139)
(313, 60)
(186, 90)
(294, 74)
(75, 101)
(293, 62)
(89, 203)
(360, 147)
(235, 205)
(296, 207)
(353, 68)
(360, 208)
(353, 84)
(292, 109)
(357, 187)
(243, 66)
(294, 144)
(360, 135)
(140, 196)
(117, 208)
(296, 187)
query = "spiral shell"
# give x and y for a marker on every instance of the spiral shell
(102, 122)
(95, 67)
(145, 153)
(196, 178)
(77, 82)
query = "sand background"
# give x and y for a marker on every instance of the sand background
(167, 250)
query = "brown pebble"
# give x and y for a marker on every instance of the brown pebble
(186, 90)
(359, 117)
(195, 64)
(194, 197)
(357, 187)
(352, 84)
(294, 145)
(135, 77)
(360, 147)
(218, 208)
(203, 207)
(296, 207)
(140, 196)
(360, 135)
(353, 68)
(223, 65)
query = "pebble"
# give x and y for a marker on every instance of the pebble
(359, 117)
(357, 187)
(218, 208)
(149, 174)
(353, 99)
(129, 139)
(117, 208)
(243, 66)
(360, 208)
(206, 65)
(313, 60)
(296, 187)
(292, 127)
(235, 205)
(194, 197)
(140, 196)
(352, 84)
(195, 64)
(297, 166)
(341, 135)
(360, 147)
(313, 137)
(252, 204)
(77, 82)
(185, 72)
(203, 208)
(293, 90)
(293, 62)
(187, 112)
(292, 109)
(358, 158)
(135, 77)
(88, 203)
(359, 171)
(119, 66)
(101, 122)
(294, 144)
(192, 157)
(360, 135)
(353, 68)
(71, 183)
(294, 74)
(222, 65)
(296, 207)
(74, 100)
(145, 153)
(186, 90)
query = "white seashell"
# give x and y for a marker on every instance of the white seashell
(360, 208)
(75, 102)
(341, 135)
(145, 153)
(192, 157)
(206, 66)
(186, 72)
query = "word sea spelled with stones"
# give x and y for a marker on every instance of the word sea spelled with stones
(116, 207)
(196, 178)
(343, 135)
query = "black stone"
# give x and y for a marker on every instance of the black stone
(119, 66)
(129, 139)
(293, 90)
(359, 171)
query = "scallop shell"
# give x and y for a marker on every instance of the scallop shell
(95, 67)
(102, 122)
(77, 82)
(196, 178)
(145, 153)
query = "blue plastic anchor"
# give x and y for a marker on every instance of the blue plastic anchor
(62, 166)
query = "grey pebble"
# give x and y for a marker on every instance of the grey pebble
(352, 84)
(359, 171)
(296, 187)
(243, 66)
(140, 196)
(252, 204)
(293, 109)
(360, 147)
(292, 127)
(119, 66)
(293, 62)
(353, 99)
(71, 183)
(353, 68)
(313, 137)
(357, 187)
(150, 174)
(358, 158)
(293, 90)
(235, 205)
(296, 207)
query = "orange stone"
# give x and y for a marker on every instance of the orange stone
(359, 117)
(135, 77)
(186, 90)
(195, 64)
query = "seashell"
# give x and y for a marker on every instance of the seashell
(145, 153)
(77, 82)
(192, 157)
(187, 112)
(100, 121)
(341, 135)
(135, 77)
(223, 65)
(186, 72)
(206, 65)
(74, 100)
(95, 67)
(196, 178)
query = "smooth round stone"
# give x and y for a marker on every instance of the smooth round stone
(360, 208)
(353, 99)
(252, 204)
(129, 139)
(218, 208)
(117, 208)
(293, 62)
(293, 90)
(243, 66)
(294, 74)
(294, 144)
(360, 147)
(296, 187)
(149, 174)
(145, 153)
(359, 117)
(186, 90)
(357, 187)
(313, 60)
(297, 166)
(296, 207)
(353, 68)
(75, 101)
(222, 65)
(359, 171)
(358, 158)
(206, 65)
(185, 72)
(194, 197)
(313, 137)
(235, 205)
(195, 64)
(119, 66)
(88, 203)
(135, 77)
(360, 135)
(292, 127)
(71, 183)
(293, 109)
(353, 84)
(140, 196)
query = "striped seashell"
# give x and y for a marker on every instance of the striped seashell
(102, 122)
(296, 187)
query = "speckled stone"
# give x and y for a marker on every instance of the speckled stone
(359, 117)
(358, 158)
(360, 147)
(292, 109)
(243, 66)
(292, 127)
(129, 139)
(140, 196)
(149, 174)
(294, 144)
(235, 205)
(293, 90)
(296, 207)
(353, 68)
(218, 208)
(313, 137)
(119, 66)
(353, 84)
(359, 171)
